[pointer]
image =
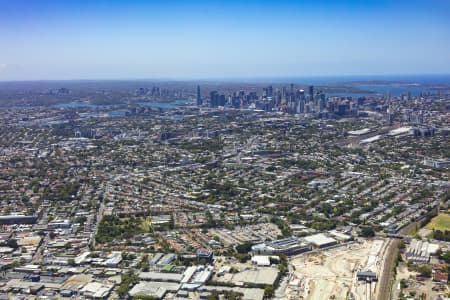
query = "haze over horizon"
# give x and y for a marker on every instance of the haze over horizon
(60, 40)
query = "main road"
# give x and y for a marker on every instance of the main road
(101, 210)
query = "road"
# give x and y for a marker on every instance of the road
(43, 244)
(280, 292)
(99, 218)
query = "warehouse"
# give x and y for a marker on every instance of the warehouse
(153, 289)
(288, 246)
(162, 277)
(342, 237)
(113, 259)
(167, 259)
(420, 252)
(156, 258)
(253, 277)
(320, 240)
(17, 219)
(261, 260)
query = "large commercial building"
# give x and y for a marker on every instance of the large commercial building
(199, 97)
(320, 240)
(437, 164)
(288, 246)
(420, 251)
(17, 219)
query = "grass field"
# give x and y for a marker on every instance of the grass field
(440, 222)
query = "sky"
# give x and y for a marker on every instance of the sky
(69, 39)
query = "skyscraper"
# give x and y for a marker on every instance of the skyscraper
(215, 99)
(199, 97)
(269, 91)
(311, 93)
(301, 108)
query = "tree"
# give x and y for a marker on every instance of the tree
(12, 243)
(144, 297)
(127, 281)
(268, 291)
(242, 257)
(367, 232)
(213, 296)
(231, 295)
(446, 257)
(244, 248)
(143, 264)
(424, 270)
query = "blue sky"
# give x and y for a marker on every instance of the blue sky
(221, 39)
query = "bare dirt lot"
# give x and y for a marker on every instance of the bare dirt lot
(331, 274)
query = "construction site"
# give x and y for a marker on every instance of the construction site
(349, 271)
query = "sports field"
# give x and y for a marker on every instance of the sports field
(440, 222)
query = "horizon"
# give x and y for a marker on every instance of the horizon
(398, 78)
(121, 40)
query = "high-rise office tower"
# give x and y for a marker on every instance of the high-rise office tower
(301, 108)
(199, 97)
(322, 102)
(222, 100)
(301, 94)
(311, 93)
(214, 96)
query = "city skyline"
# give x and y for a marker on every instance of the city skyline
(48, 40)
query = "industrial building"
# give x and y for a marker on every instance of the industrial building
(113, 259)
(156, 258)
(253, 277)
(367, 276)
(288, 246)
(17, 219)
(205, 254)
(320, 240)
(340, 236)
(166, 259)
(96, 290)
(156, 290)
(161, 277)
(420, 251)
(261, 260)
(157, 284)
(437, 164)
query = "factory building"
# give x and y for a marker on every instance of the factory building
(288, 246)
(420, 251)
(320, 240)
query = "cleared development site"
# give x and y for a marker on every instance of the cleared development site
(332, 273)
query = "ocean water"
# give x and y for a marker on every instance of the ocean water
(331, 80)
(380, 84)
(164, 105)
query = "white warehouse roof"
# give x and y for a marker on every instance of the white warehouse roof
(319, 240)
